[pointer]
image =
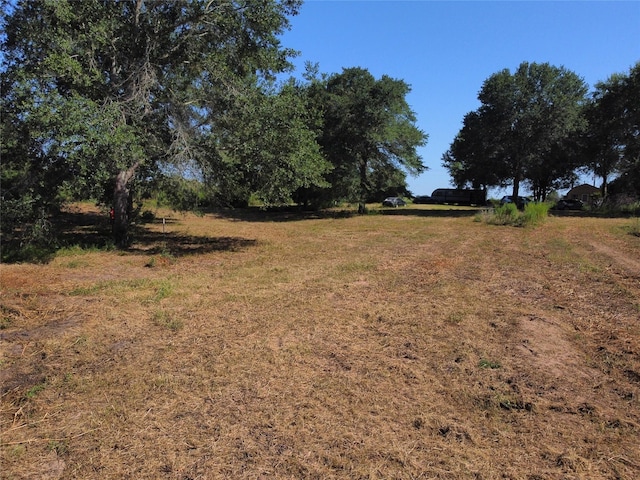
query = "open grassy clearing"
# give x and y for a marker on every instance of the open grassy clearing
(414, 344)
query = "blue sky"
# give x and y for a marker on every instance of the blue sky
(445, 51)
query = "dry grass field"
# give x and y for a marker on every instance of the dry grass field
(414, 343)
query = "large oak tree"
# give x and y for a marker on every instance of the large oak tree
(368, 132)
(99, 91)
(521, 129)
(612, 141)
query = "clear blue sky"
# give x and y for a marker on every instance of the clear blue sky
(445, 51)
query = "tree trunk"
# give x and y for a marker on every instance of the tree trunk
(364, 188)
(605, 186)
(516, 183)
(516, 191)
(121, 207)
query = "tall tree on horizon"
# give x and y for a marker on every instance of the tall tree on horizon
(611, 143)
(519, 132)
(368, 129)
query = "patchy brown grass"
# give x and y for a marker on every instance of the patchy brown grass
(418, 344)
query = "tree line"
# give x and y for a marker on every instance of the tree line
(539, 126)
(106, 100)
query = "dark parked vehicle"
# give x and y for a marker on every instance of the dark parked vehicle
(569, 204)
(522, 201)
(423, 199)
(460, 196)
(393, 202)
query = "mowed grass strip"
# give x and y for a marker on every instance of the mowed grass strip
(404, 345)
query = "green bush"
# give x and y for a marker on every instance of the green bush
(147, 216)
(508, 214)
(632, 208)
(534, 213)
(619, 205)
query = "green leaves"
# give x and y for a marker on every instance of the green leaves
(270, 141)
(522, 129)
(612, 141)
(96, 88)
(368, 132)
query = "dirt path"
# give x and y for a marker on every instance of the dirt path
(626, 261)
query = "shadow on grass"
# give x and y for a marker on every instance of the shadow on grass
(92, 231)
(281, 214)
(87, 230)
(292, 214)
(590, 213)
(157, 243)
(431, 213)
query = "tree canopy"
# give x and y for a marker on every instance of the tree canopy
(102, 97)
(368, 133)
(521, 130)
(611, 143)
(269, 150)
(96, 92)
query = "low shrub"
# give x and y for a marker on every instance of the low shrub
(13, 252)
(632, 208)
(147, 216)
(508, 214)
(535, 213)
(619, 205)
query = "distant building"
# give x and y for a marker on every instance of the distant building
(584, 193)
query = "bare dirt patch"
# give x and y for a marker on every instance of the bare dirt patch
(546, 346)
(412, 345)
(631, 264)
